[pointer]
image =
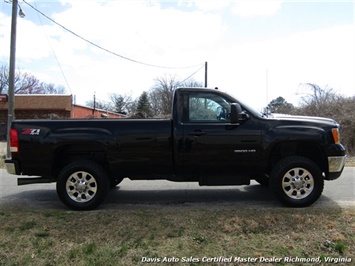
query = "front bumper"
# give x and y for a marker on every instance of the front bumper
(336, 166)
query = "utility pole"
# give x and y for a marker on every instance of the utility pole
(205, 74)
(93, 110)
(11, 102)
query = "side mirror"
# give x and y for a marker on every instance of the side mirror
(237, 114)
(235, 110)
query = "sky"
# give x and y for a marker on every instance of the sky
(256, 50)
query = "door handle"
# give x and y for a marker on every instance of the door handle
(197, 133)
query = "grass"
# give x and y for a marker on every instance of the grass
(136, 237)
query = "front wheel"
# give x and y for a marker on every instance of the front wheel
(297, 181)
(82, 185)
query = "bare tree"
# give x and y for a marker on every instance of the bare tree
(160, 96)
(122, 104)
(4, 79)
(343, 112)
(324, 102)
(50, 88)
(26, 83)
(315, 101)
(97, 104)
(22, 82)
(191, 83)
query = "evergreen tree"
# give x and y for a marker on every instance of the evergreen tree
(279, 105)
(143, 106)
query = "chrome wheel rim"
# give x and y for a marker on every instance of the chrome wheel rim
(298, 183)
(81, 186)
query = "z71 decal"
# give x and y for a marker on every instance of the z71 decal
(31, 131)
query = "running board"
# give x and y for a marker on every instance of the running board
(225, 180)
(33, 180)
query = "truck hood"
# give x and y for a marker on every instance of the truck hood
(312, 119)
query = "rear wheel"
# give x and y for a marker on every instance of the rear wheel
(297, 181)
(82, 185)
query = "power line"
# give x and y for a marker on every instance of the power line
(193, 73)
(102, 48)
(54, 54)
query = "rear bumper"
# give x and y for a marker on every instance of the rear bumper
(336, 166)
(12, 167)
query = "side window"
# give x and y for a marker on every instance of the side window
(208, 107)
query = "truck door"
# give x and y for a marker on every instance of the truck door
(211, 144)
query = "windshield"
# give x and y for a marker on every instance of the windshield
(252, 110)
(248, 108)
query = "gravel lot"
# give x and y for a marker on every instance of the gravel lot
(2, 153)
(2, 148)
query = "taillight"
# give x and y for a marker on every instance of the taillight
(14, 147)
(336, 137)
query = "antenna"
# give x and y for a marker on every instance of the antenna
(205, 74)
(267, 86)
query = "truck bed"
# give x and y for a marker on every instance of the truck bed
(47, 144)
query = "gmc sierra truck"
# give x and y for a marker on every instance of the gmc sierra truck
(211, 138)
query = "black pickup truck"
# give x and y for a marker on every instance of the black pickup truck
(211, 138)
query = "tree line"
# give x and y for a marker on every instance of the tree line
(153, 103)
(156, 102)
(323, 102)
(26, 83)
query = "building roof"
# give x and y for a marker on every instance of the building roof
(41, 102)
(100, 110)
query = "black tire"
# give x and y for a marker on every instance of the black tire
(297, 181)
(82, 185)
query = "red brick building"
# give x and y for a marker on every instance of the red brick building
(30, 106)
(45, 106)
(80, 111)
